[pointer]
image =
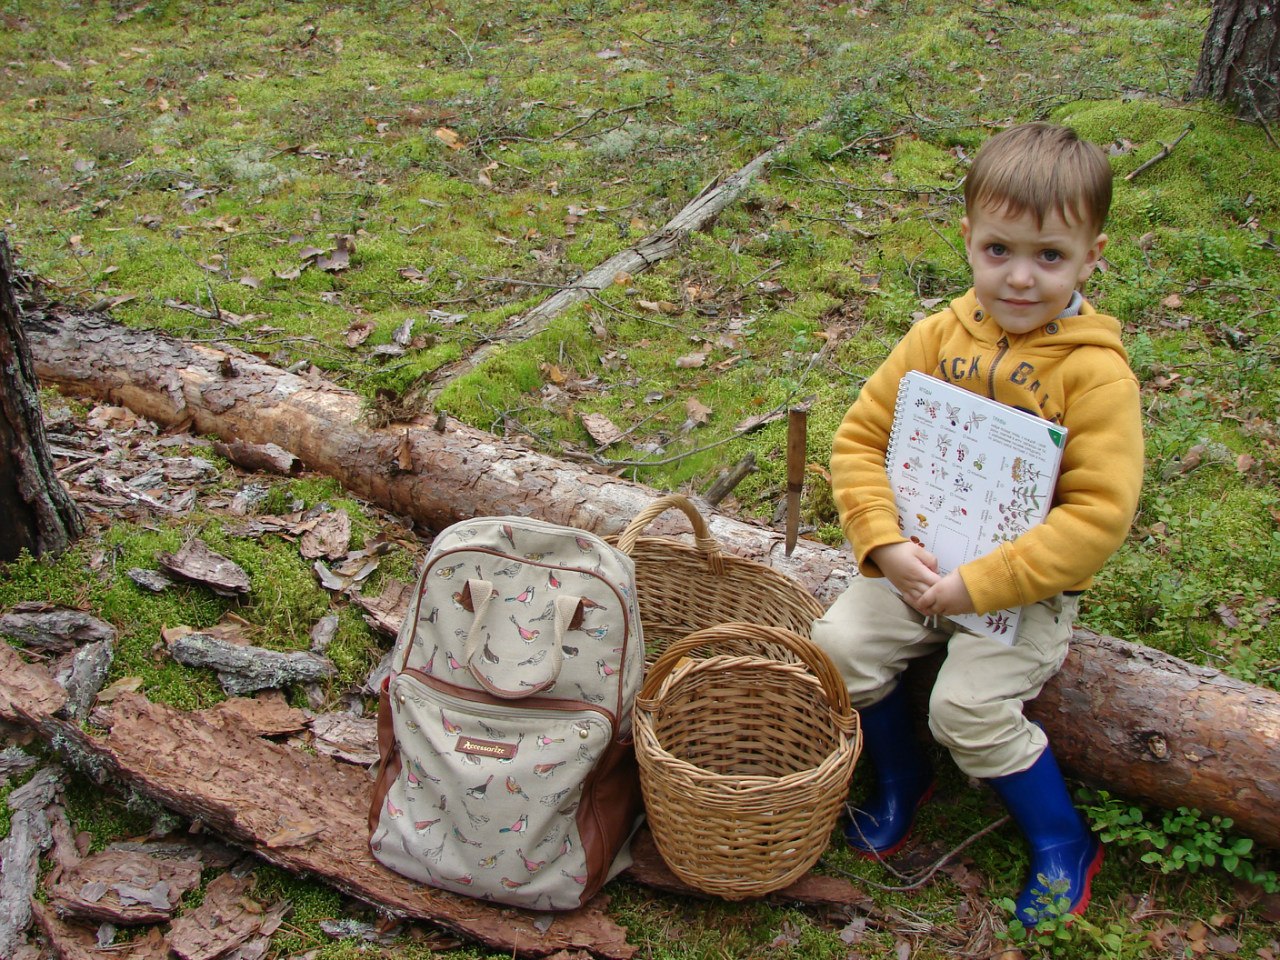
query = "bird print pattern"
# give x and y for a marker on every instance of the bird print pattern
(501, 715)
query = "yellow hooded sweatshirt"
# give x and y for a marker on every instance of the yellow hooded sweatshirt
(1073, 371)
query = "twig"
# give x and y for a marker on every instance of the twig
(466, 47)
(871, 140)
(1262, 122)
(1165, 151)
(730, 478)
(600, 111)
(923, 878)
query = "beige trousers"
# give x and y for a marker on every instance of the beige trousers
(975, 707)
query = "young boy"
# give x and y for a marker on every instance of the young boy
(1036, 198)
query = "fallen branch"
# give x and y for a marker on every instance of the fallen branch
(730, 478)
(1165, 152)
(695, 215)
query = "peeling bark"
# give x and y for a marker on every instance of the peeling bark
(244, 669)
(29, 835)
(1121, 716)
(231, 781)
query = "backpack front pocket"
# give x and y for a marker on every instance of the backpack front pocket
(488, 792)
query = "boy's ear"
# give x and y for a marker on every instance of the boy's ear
(1092, 257)
(965, 232)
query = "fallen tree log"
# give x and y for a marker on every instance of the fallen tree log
(1124, 717)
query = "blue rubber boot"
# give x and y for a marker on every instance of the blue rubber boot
(1065, 855)
(903, 778)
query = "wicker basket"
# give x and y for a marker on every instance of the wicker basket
(745, 760)
(683, 588)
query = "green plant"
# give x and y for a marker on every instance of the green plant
(1061, 934)
(1181, 839)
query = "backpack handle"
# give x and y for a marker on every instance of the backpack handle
(525, 663)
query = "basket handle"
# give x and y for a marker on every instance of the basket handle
(703, 541)
(804, 649)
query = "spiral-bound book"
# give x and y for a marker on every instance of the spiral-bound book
(969, 473)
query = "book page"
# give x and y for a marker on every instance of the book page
(969, 473)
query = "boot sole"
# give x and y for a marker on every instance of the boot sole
(866, 854)
(1094, 866)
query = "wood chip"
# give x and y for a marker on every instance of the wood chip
(199, 564)
(347, 738)
(125, 888)
(387, 611)
(46, 626)
(267, 715)
(224, 920)
(263, 457)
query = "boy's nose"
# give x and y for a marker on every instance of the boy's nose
(1020, 275)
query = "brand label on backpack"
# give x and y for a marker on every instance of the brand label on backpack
(486, 748)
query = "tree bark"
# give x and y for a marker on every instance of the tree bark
(1240, 58)
(36, 513)
(211, 766)
(1121, 716)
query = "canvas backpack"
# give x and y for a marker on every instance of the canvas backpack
(506, 765)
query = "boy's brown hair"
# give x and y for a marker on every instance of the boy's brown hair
(1039, 168)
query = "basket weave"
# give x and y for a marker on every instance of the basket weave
(683, 588)
(745, 760)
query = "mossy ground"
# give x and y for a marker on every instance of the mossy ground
(169, 159)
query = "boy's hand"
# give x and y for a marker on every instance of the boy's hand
(909, 567)
(945, 598)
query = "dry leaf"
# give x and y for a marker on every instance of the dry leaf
(123, 685)
(691, 360)
(340, 259)
(449, 138)
(601, 429)
(698, 412)
(358, 333)
(1172, 301)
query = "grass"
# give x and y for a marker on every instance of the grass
(165, 157)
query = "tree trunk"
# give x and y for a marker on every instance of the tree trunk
(1133, 720)
(36, 514)
(1240, 58)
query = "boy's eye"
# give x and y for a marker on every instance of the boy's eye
(996, 249)
(1052, 256)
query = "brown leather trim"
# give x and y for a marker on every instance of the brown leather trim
(532, 702)
(388, 757)
(611, 802)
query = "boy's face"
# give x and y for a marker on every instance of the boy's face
(1024, 274)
